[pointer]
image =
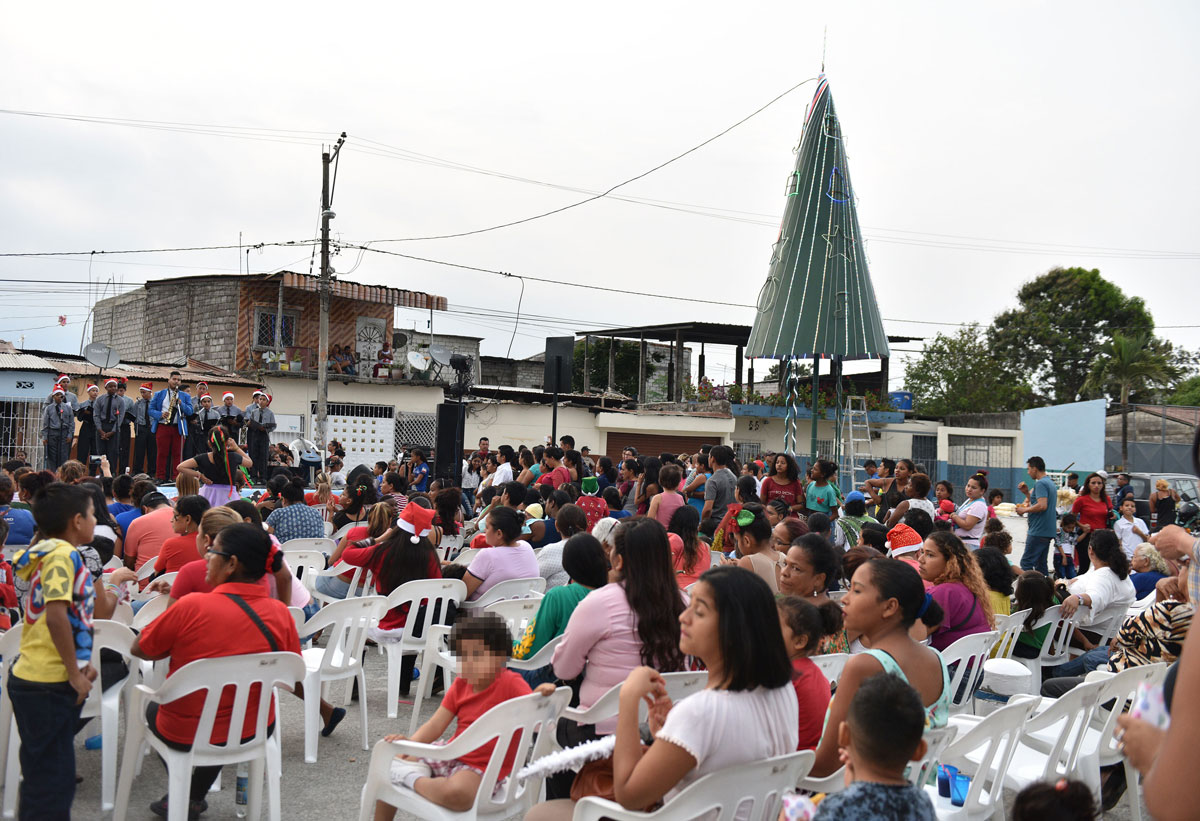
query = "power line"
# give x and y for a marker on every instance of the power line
(609, 190)
(290, 243)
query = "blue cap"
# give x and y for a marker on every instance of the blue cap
(855, 496)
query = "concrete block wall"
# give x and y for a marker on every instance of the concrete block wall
(120, 321)
(515, 373)
(199, 320)
(420, 341)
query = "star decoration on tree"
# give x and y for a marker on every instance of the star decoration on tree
(837, 243)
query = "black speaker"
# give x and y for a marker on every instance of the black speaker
(560, 360)
(447, 454)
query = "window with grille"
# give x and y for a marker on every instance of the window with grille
(264, 328)
(981, 451)
(747, 451)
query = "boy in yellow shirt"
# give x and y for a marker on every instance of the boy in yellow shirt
(53, 673)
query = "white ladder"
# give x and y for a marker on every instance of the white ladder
(856, 438)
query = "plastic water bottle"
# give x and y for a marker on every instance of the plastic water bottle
(239, 790)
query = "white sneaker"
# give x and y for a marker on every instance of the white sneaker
(405, 773)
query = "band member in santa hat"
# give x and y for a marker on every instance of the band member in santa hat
(86, 439)
(108, 414)
(126, 423)
(231, 415)
(58, 429)
(145, 449)
(260, 421)
(71, 399)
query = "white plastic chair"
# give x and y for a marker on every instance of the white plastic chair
(212, 676)
(1056, 645)
(1051, 741)
(1141, 604)
(10, 643)
(969, 652)
(518, 614)
(1106, 629)
(509, 589)
(105, 704)
(362, 580)
(340, 659)
(995, 738)
(1009, 627)
(123, 613)
(344, 529)
(328, 529)
(323, 546)
(145, 571)
(679, 686)
(716, 558)
(306, 564)
(466, 556)
(150, 611)
(438, 596)
(831, 665)
(529, 721)
(936, 740)
(749, 791)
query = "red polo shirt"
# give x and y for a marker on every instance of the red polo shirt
(175, 553)
(212, 625)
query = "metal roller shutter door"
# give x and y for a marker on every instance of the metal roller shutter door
(651, 444)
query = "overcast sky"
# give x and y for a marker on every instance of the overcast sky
(983, 138)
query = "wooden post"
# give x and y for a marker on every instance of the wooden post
(587, 365)
(737, 366)
(680, 375)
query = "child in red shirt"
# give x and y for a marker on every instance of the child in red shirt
(483, 646)
(804, 625)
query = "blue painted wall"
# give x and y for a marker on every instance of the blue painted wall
(26, 384)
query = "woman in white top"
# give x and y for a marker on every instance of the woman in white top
(971, 515)
(747, 712)
(916, 493)
(756, 545)
(1105, 588)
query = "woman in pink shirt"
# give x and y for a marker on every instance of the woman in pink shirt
(628, 624)
(507, 558)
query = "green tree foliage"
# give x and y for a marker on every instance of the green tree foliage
(1063, 321)
(625, 369)
(1186, 392)
(1128, 363)
(958, 374)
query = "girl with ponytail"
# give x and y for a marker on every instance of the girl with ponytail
(358, 500)
(219, 469)
(886, 598)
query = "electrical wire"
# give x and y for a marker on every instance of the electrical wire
(289, 243)
(609, 190)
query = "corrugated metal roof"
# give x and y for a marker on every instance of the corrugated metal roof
(23, 362)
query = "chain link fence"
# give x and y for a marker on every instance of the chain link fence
(415, 430)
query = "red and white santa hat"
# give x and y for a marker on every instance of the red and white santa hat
(110, 381)
(207, 396)
(147, 387)
(227, 395)
(417, 521)
(257, 393)
(269, 397)
(58, 392)
(62, 377)
(91, 388)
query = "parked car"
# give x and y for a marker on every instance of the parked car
(1186, 485)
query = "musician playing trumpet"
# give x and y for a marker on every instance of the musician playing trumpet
(169, 410)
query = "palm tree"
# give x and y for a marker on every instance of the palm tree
(1129, 363)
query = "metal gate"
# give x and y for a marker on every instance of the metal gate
(970, 453)
(415, 430)
(924, 453)
(20, 431)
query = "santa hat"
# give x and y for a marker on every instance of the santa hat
(109, 381)
(202, 386)
(91, 388)
(62, 377)
(58, 392)
(227, 395)
(257, 393)
(417, 521)
(903, 539)
(146, 386)
(207, 396)
(269, 397)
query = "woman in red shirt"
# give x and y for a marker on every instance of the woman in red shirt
(784, 483)
(1092, 508)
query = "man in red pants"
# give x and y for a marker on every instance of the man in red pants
(169, 410)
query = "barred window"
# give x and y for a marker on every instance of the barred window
(747, 451)
(264, 328)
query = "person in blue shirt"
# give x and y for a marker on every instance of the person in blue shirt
(1039, 507)
(122, 486)
(140, 489)
(20, 522)
(1124, 489)
(417, 471)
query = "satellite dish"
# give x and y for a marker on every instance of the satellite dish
(440, 353)
(101, 355)
(418, 360)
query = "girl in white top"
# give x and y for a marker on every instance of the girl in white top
(747, 712)
(971, 515)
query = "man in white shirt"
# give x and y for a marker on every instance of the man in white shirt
(504, 473)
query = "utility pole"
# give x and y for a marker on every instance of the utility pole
(325, 286)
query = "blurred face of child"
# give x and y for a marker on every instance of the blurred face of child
(477, 664)
(1127, 508)
(699, 625)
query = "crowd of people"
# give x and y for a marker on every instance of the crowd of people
(652, 564)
